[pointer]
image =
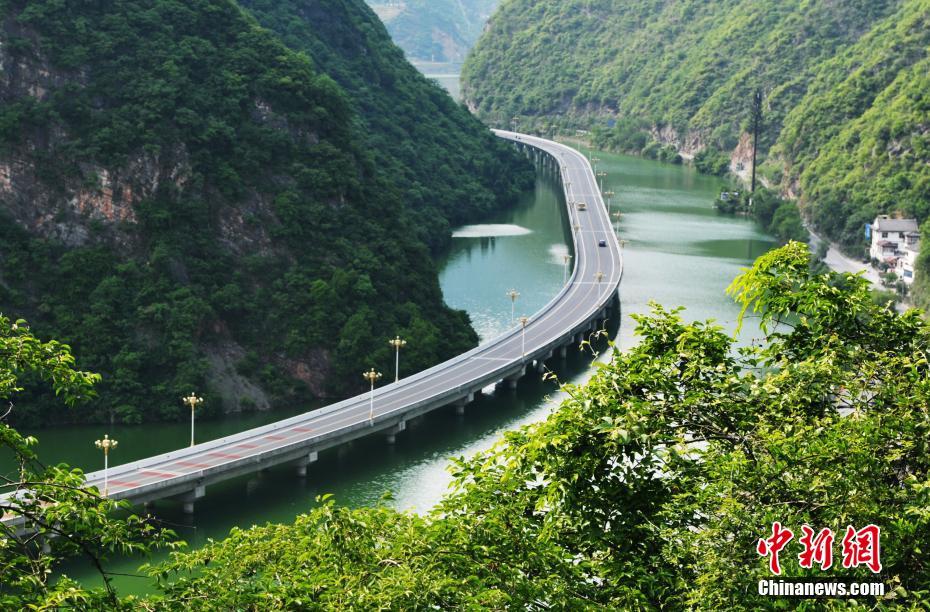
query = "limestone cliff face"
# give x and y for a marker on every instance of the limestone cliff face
(79, 202)
(63, 206)
(741, 157)
(688, 145)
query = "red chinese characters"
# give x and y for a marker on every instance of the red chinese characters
(817, 549)
(774, 545)
(862, 547)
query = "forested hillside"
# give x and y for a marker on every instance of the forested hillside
(435, 30)
(846, 114)
(192, 205)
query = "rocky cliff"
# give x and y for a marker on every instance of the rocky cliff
(193, 206)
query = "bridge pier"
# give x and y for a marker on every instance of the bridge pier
(396, 429)
(513, 379)
(563, 351)
(188, 499)
(541, 363)
(462, 402)
(303, 462)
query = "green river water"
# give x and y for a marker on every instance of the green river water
(679, 251)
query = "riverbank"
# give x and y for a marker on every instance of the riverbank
(834, 258)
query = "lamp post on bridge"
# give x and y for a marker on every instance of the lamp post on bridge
(371, 376)
(523, 322)
(577, 227)
(565, 259)
(609, 194)
(193, 401)
(106, 445)
(398, 344)
(600, 179)
(594, 161)
(513, 294)
(599, 276)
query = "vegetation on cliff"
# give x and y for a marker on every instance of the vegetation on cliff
(650, 486)
(846, 113)
(192, 205)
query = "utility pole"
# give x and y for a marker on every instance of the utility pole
(756, 120)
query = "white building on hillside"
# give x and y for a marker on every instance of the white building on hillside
(890, 237)
(904, 267)
(896, 243)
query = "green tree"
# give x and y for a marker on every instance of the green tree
(47, 513)
(650, 486)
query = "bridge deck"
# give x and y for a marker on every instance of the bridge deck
(188, 470)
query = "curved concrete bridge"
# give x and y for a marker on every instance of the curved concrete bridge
(578, 308)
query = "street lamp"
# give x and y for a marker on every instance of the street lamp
(523, 322)
(193, 401)
(105, 445)
(599, 276)
(600, 179)
(577, 227)
(594, 161)
(565, 259)
(371, 376)
(397, 343)
(513, 294)
(609, 194)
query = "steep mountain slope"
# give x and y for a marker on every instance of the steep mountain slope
(687, 65)
(859, 141)
(435, 30)
(430, 147)
(192, 205)
(845, 109)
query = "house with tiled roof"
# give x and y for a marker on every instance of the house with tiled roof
(895, 243)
